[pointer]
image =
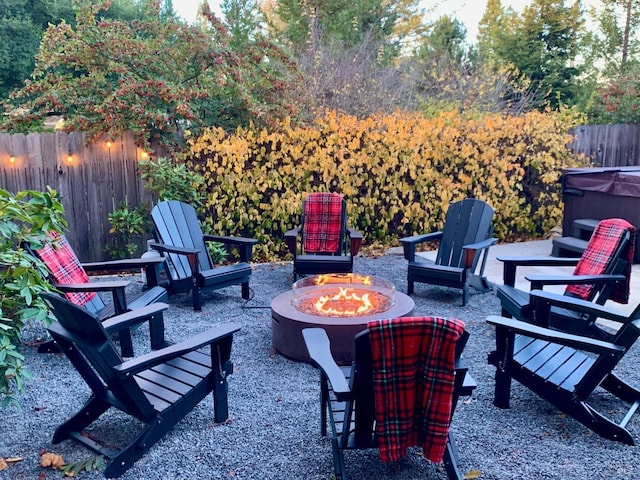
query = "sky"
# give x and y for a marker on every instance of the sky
(468, 12)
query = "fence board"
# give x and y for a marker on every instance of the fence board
(608, 145)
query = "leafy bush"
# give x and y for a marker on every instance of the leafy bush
(398, 173)
(166, 180)
(24, 217)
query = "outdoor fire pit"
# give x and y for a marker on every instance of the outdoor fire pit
(342, 304)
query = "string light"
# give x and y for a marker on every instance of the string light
(12, 159)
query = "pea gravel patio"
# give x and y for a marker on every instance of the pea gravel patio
(273, 431)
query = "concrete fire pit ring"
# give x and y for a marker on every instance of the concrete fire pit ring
(288, 322)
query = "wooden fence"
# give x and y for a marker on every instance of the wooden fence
(609, 145)
(94, 178)
(91, 178)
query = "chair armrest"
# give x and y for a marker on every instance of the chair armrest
(291, 239)
(471, 250)
(355, 241)
(163, 247)
(512, 263)
(578, 342)
(146, 361)
(106, 286)
(245, 245)
(549, 299)
(409, 243)
(230, 239)
(481, 245)
(133, 317)
(538, 281)
(123, 265)
(116, 287)
(318, 346)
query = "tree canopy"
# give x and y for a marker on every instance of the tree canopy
(154, 76)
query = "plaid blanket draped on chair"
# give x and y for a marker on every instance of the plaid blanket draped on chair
(64, 267)
(413, 375)
(597, 256)
(322, 227)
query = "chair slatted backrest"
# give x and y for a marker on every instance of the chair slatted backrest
(625, 337)
(89, 347)
(610, 251)
(324, 223)
(467, 221)
(177, 224)
(65, 268)
(423, 365)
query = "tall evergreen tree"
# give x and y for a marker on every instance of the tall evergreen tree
(542, 44)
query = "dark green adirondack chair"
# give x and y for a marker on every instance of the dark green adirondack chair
(69, 276)
(159, 388)
(348, 395)
(323, 243)
(463, 245)
(188, 263)
(566, 369)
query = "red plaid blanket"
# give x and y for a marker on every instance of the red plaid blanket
(322, 214)
(597, 257)
(413, 375)
(64, 266)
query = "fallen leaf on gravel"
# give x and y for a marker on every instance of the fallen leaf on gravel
(3, 464)
(53, 460)
(472, 475)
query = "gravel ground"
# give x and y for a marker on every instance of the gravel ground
(273, 401)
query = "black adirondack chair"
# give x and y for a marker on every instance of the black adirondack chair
(69, 276)
(347, 394)
(462, 250)
(158, 388)
(323, 243)
(607, 281)
(566, 369)
(188, 263)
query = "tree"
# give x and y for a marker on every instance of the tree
(242, 19)
(153, 77)
(619, 101)
(542, 44)
(445, 41)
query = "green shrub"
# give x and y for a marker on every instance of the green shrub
(398, 173)
(24, 217)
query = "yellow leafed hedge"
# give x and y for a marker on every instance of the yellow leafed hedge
(398, 173)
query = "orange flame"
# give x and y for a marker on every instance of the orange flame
(359, 304)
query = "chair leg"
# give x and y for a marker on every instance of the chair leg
(501, 359)
(465, 295)
(450, 460)
(197, 301)
(338, 460)
(410, 286)
(246, 294)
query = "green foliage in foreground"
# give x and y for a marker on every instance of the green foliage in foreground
(24, 217)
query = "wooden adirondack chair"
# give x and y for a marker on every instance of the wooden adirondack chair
(349, 394)
(602, 273)
(462, 252)
(68, 275)
(159, 388)
(566, 369)
(323, 243)
(188, 263)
